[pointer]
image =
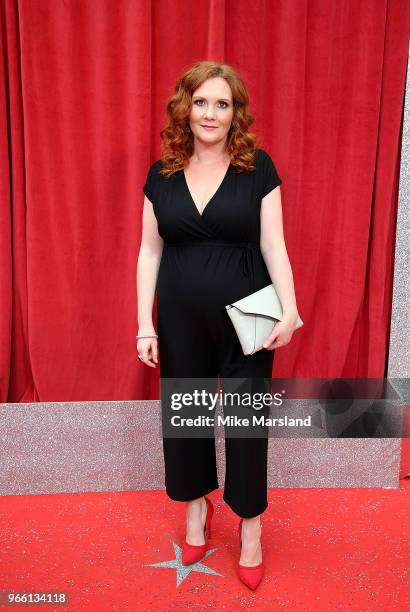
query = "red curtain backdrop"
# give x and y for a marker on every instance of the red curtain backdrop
(84, 85)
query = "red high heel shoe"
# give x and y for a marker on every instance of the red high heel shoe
(249, 575)
(191, 553)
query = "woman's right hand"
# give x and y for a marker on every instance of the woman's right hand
(148, 349)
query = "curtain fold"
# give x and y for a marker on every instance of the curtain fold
(84, 86)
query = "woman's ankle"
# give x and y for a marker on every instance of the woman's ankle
(195, 521)
(252, 527)
(195, 507)
(251, 550)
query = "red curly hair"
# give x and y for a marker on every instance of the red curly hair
(177, 144)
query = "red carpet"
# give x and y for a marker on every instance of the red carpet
(324, 549)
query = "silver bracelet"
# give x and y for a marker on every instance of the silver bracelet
(154, 336)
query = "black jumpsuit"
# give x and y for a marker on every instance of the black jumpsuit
(210, 260)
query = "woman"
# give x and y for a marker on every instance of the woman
(212, 221)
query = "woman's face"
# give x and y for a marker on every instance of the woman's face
(211, 105)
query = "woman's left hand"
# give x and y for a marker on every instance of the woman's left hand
(281, 334)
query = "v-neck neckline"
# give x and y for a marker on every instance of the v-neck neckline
(212, 197)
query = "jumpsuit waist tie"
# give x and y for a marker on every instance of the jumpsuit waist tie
(247, 254)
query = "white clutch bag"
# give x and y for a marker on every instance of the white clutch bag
(255, 316)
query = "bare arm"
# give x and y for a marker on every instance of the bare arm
(275, 255)
(149, 259)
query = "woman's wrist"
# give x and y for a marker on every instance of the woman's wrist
(145, 329)
(290, 315)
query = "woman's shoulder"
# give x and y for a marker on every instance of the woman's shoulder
(153, 180)
(268, 174)
(157, 165)
(154, 171)
(262, 155)
(264, 160)
(164, 179)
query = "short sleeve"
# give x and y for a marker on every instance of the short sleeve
(270, 177)
(148, 188)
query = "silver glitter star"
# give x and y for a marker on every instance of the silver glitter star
(184, 570)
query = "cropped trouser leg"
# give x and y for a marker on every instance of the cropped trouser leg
(245, 489)
(190, 463)
(187, 352)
